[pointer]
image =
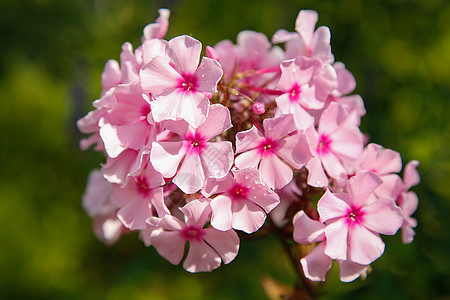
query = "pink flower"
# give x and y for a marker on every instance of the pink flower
(242, 200)
(354, 221)
(299, 95)
(178, 84)
(138, 198)
(198, 159)
(265, 151)
(307, 41)
(385, 163)
(316, 264)
(207, 246)
(126, 125)
(335, 141)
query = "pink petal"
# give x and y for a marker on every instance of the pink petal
(316, 264)
(331, 118)
(196, 212)
(282, 36)
(184, 51)
(134, 214)
(158, 77)
(274, 172)
(113, 145)
(169, 244)
(248, 139)
(347, 142)
(337, 235)
(166, 107)
(191, 176)
(410, 175)
(349, 271)
(277, 128)
(316, 174)
(360, 186)
(96, 198)
(217, 122)
(346, 80)
(208, 73)
(333, 165)
(330, 207)
(307, 230)
(166, 156)
(410, 203)
(321, 44)
(116, 169)
(217, 159)
(226, 243)
(247, 216)
(305, 24)
(407, 235)
(294, 150)
(302, 119)
(382, 216)
(222, 217)
(111, 75)
(158, 30)
(249, 159)
(193, 108)
(218, 185)
(201, 258)
(264, 197)
(365, 246)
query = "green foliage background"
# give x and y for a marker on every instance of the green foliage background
(51, 56)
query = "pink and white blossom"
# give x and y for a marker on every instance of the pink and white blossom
(354, 222)
(208, 247)
(179, 84)
(190, 157)
(242, 200)
(273, 152)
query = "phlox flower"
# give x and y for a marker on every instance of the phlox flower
(138, 197)
(385, 163)
(190, 157)
(306, 41)
(335, 141)
(274, 151)
(208, 247)
(126, 125)
(355, 219)
(298, 94)
(242, 200)
(179, 84)
(316, 264)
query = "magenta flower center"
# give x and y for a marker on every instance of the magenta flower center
(323, 147)
(294, 93)
(142, 186)
(195, 142)
(267, 147)
(238, 192)
(188, 83)
(355, 215)
(192, 233)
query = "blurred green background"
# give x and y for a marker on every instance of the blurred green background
(51, 57)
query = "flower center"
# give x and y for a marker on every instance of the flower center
(355, 215)
(323, 147)
(294, 93)
(238, 192)
(267, 147)
(192, 233)
(142, 186)
(195, 142)
(188, 83)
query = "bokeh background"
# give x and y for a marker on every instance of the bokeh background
(51, 56)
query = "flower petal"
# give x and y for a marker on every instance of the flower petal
(365, 246)
(201, 258)
(184, 51)
(191, 176)
(316, 264)
(166, 156)
(208, 73)
(226, 243)
(337, 236)
(307, 230)
(169, 244)
(222, 217)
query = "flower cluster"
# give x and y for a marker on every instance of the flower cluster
(198, 148)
